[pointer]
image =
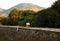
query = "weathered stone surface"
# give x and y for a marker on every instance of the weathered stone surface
(29, 35)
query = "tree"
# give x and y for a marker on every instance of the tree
(56, 6)
(28, 15)
(21, 17)
(49, 17)
(40, 18)
(14, 14)
(5, 21)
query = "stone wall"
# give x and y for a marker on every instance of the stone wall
(24, 34)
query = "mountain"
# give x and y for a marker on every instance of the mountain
(27, 6)
(2, 13)
(1, 9)
(22, 6)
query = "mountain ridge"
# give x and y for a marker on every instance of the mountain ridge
(26, 6)
(23, 6)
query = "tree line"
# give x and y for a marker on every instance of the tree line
(49, 17)
(18, 17)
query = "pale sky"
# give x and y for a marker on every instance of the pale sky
(6, 4)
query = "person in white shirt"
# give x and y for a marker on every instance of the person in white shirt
(27, 24)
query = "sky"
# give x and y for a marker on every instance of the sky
(6, 4)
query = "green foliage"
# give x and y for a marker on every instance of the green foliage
(19, 17)
(5, 21)
(22, 23)
(2, 38)
(14, 14)
(41, 18)
(8, 21)
(0, 20)
(56, 6)
(49, 17)
(28, 15)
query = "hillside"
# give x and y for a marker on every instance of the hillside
(1, 10)
(27, 6)
(21, 6)
(2, 13)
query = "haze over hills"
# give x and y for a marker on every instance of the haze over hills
(2, 13)
(1, 9)
(22, 6)
(27, 6)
